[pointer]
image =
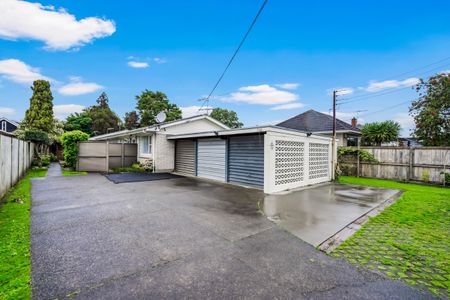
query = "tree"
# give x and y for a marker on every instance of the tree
(39, 116)
(227, 117)
(131, 120)
(104, 120)
(150, 104)
(431, 111)
(79, 121)
(380, 132)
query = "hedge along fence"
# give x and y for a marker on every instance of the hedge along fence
(15, 159)
(427, 164)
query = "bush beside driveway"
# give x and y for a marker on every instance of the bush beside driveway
(409, 240)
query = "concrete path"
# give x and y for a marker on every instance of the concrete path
(178, 238)
(54, 170)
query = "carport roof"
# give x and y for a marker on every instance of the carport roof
(244, 131)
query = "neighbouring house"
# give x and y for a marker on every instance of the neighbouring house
(316, 122)
(152, 140)
(403, 142)
(269, 158)
(7, 125)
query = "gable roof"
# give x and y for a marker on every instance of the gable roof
(314, 121)
(10, 121)
(157, 127)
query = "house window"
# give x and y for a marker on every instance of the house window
(3, 125)
(146, 145)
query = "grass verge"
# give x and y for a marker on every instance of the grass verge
(73, 173)
(409, 240)
(15, 240)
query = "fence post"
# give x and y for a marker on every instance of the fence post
(122, 154)
(107, 156)
(411, 164)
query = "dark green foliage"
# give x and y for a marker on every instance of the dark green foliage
(104, 120)
(431, 111)
(150, 104)
(364, 155)
(380, 132)
(79, 121)
(37, 136)
(131, 120)
(40, 114)
(70, 141)
(227, 117)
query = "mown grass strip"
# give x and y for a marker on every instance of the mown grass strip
(409, 240)
(15, 239)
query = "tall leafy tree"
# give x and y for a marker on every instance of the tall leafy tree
(79, 121)
(131, 120)
(104, 120)
(227, 117)
(39, 116)
(150, 104)
(380, 132)
(431, 111)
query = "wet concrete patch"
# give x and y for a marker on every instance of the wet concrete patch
(314, 214)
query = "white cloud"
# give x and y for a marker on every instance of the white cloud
(406, 122)
(63, 110)
(138, 64)
(7, 111)
(288, 86)
(77, 87)
(375, 86)
(445, 72)
(341, 91)
(260, 94)
(159, 60)
(190, 111)
(58, 29)
(18, 71)
(288, 106)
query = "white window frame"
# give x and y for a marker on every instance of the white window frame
(145, 140)
(4, 126)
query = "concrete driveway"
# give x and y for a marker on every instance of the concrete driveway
(177, 238)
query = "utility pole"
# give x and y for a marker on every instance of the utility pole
(333, 142)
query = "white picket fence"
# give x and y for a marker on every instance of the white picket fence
(15, 159)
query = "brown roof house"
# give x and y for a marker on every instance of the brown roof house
(316, 122)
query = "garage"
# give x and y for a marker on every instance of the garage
(185, 157)
(211, 157)
(246, 160)
(270, 158)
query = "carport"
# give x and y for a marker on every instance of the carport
(270, 158)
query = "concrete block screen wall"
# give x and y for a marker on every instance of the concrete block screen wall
(293, 161)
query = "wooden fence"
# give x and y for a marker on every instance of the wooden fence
(101, 156)
(15, 158)
(419, 164)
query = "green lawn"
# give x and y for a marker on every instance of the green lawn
(410, 240)
(72, 173)
(15, 240)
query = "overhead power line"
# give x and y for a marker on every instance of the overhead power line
(206, 100)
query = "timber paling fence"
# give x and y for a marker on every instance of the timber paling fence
(15, 159)
(426, 164)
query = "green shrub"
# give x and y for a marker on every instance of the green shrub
(41, 161)
(70, 141)
(134, 168)
(352, 151)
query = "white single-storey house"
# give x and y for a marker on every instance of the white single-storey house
(269, 158)
(152, 140)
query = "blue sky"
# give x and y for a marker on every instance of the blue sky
(297, 53)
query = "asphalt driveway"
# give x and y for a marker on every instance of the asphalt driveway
(177, 238)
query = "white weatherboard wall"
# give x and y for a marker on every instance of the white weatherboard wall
(293, 161)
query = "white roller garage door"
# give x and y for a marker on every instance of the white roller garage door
(211, 155)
